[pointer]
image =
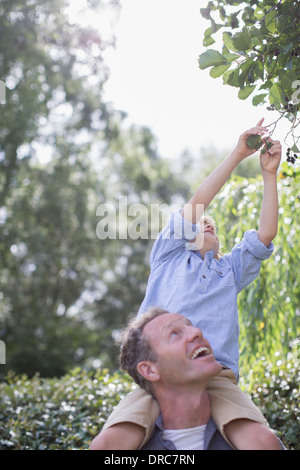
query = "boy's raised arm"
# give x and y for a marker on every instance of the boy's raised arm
(210, 187)
(268, 223)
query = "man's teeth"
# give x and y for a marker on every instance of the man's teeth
(199, 351)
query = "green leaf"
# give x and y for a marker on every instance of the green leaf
(245, 68)
(286, 47)
(276, 96)
(259, 99)
(254, 141)
(242, 41)
(268, 145)
(285, 82)
(270, 21)
(208, 41)
(266, 85)
(227, 40)
(219, 70)
(205, 12)
(259, 13)
(231, 57)
(211, 58)
(295, 149)
(245, 92)
(231, 77)
(259, 69)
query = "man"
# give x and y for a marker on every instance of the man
(169, 357)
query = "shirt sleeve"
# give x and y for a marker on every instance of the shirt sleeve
(246, 258)
(176, 236)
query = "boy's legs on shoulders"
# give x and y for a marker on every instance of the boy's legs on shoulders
(130, 425)
(237, 417)
(121, 436)
(250, 435)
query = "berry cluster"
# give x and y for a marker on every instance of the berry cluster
(290, 158)
(289, 107)
(296, 51)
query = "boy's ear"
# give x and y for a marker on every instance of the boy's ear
(148, 370)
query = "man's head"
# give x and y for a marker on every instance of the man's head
(164, 349)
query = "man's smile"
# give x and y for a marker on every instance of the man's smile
(200, 351)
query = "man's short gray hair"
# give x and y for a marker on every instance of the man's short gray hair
(135, 348)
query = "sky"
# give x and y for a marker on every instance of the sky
(156, 80)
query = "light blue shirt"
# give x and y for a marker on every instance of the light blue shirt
(203, 290)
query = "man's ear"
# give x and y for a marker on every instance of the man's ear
(148, 370)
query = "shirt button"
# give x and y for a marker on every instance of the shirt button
(220, 272)
(203, 275)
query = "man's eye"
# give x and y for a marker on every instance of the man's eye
(174, 333)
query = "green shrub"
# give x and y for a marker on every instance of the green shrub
(67, 413)
(63, 413)
(275, 390)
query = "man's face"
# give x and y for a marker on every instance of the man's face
(184, 357)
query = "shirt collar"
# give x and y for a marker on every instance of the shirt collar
(209, 255)
(210, 430)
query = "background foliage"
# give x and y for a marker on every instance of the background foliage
(64, 151)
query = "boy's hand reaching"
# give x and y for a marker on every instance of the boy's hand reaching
(270, 160)
(242, 148)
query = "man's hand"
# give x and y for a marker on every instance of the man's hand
(270, 160)
(242, 150)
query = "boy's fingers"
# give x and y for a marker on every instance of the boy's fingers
(255, 130)
(260, 122)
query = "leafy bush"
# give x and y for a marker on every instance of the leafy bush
(57, 414)
(275, 390)
(67, 413)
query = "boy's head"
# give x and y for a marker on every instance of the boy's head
(207, 239)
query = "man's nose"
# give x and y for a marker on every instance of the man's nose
(194, 333)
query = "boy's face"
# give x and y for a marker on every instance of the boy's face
(207, 239)
(184, 356)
